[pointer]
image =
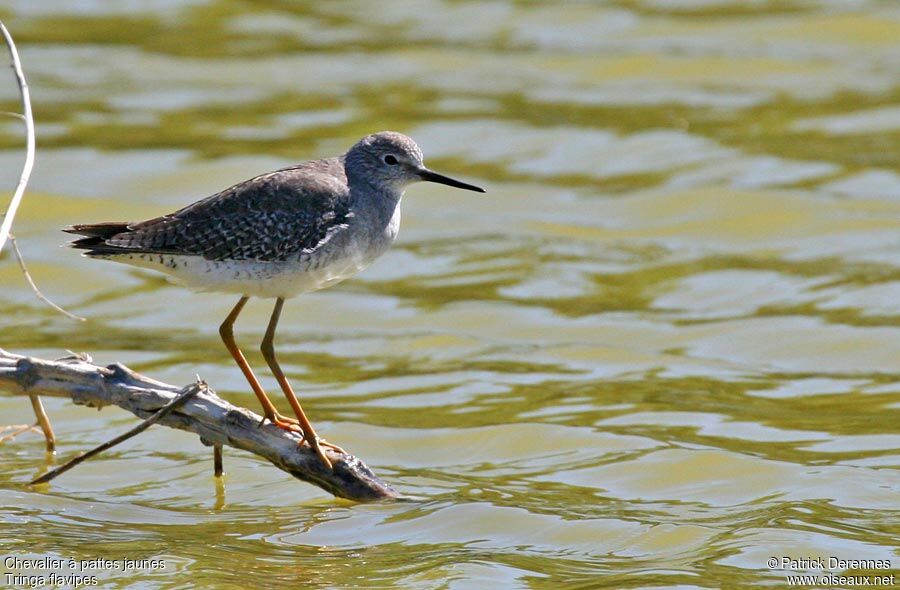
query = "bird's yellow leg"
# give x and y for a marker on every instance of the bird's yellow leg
(268, 352)
(270, 413)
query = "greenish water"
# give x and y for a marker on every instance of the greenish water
(661, 350)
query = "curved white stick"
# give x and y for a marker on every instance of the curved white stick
(6, 226)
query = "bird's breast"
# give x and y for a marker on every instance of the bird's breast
(393, 226)
(375, 227)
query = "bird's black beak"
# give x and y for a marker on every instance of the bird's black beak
(430, 176)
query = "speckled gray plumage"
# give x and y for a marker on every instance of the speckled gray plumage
(274, 216)
(279, 234)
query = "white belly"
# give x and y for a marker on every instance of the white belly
(245, 277)
(344, 255)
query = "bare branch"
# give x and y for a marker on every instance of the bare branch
(6, 226)
(216, 421)
(182, 397)
(218, 469)
(15, 430)
(43, 421)
(34, 288)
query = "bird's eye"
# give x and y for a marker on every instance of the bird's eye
(390, 160)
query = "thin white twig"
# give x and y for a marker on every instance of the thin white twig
(6, 226)
(17, 429)
(34, 288)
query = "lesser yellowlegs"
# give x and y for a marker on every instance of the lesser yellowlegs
(277, 235)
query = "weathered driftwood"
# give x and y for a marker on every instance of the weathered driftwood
(216, 421)
(184, 395)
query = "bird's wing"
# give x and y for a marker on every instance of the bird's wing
(272, 217)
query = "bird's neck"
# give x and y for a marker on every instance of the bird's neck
(373, 203)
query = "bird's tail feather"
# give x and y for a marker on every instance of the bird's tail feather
(95, 236)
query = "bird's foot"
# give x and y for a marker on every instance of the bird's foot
(333, 447)
(315, 443)
(318, 444)
(283, 422)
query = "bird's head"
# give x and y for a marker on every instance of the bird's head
(391, 160)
